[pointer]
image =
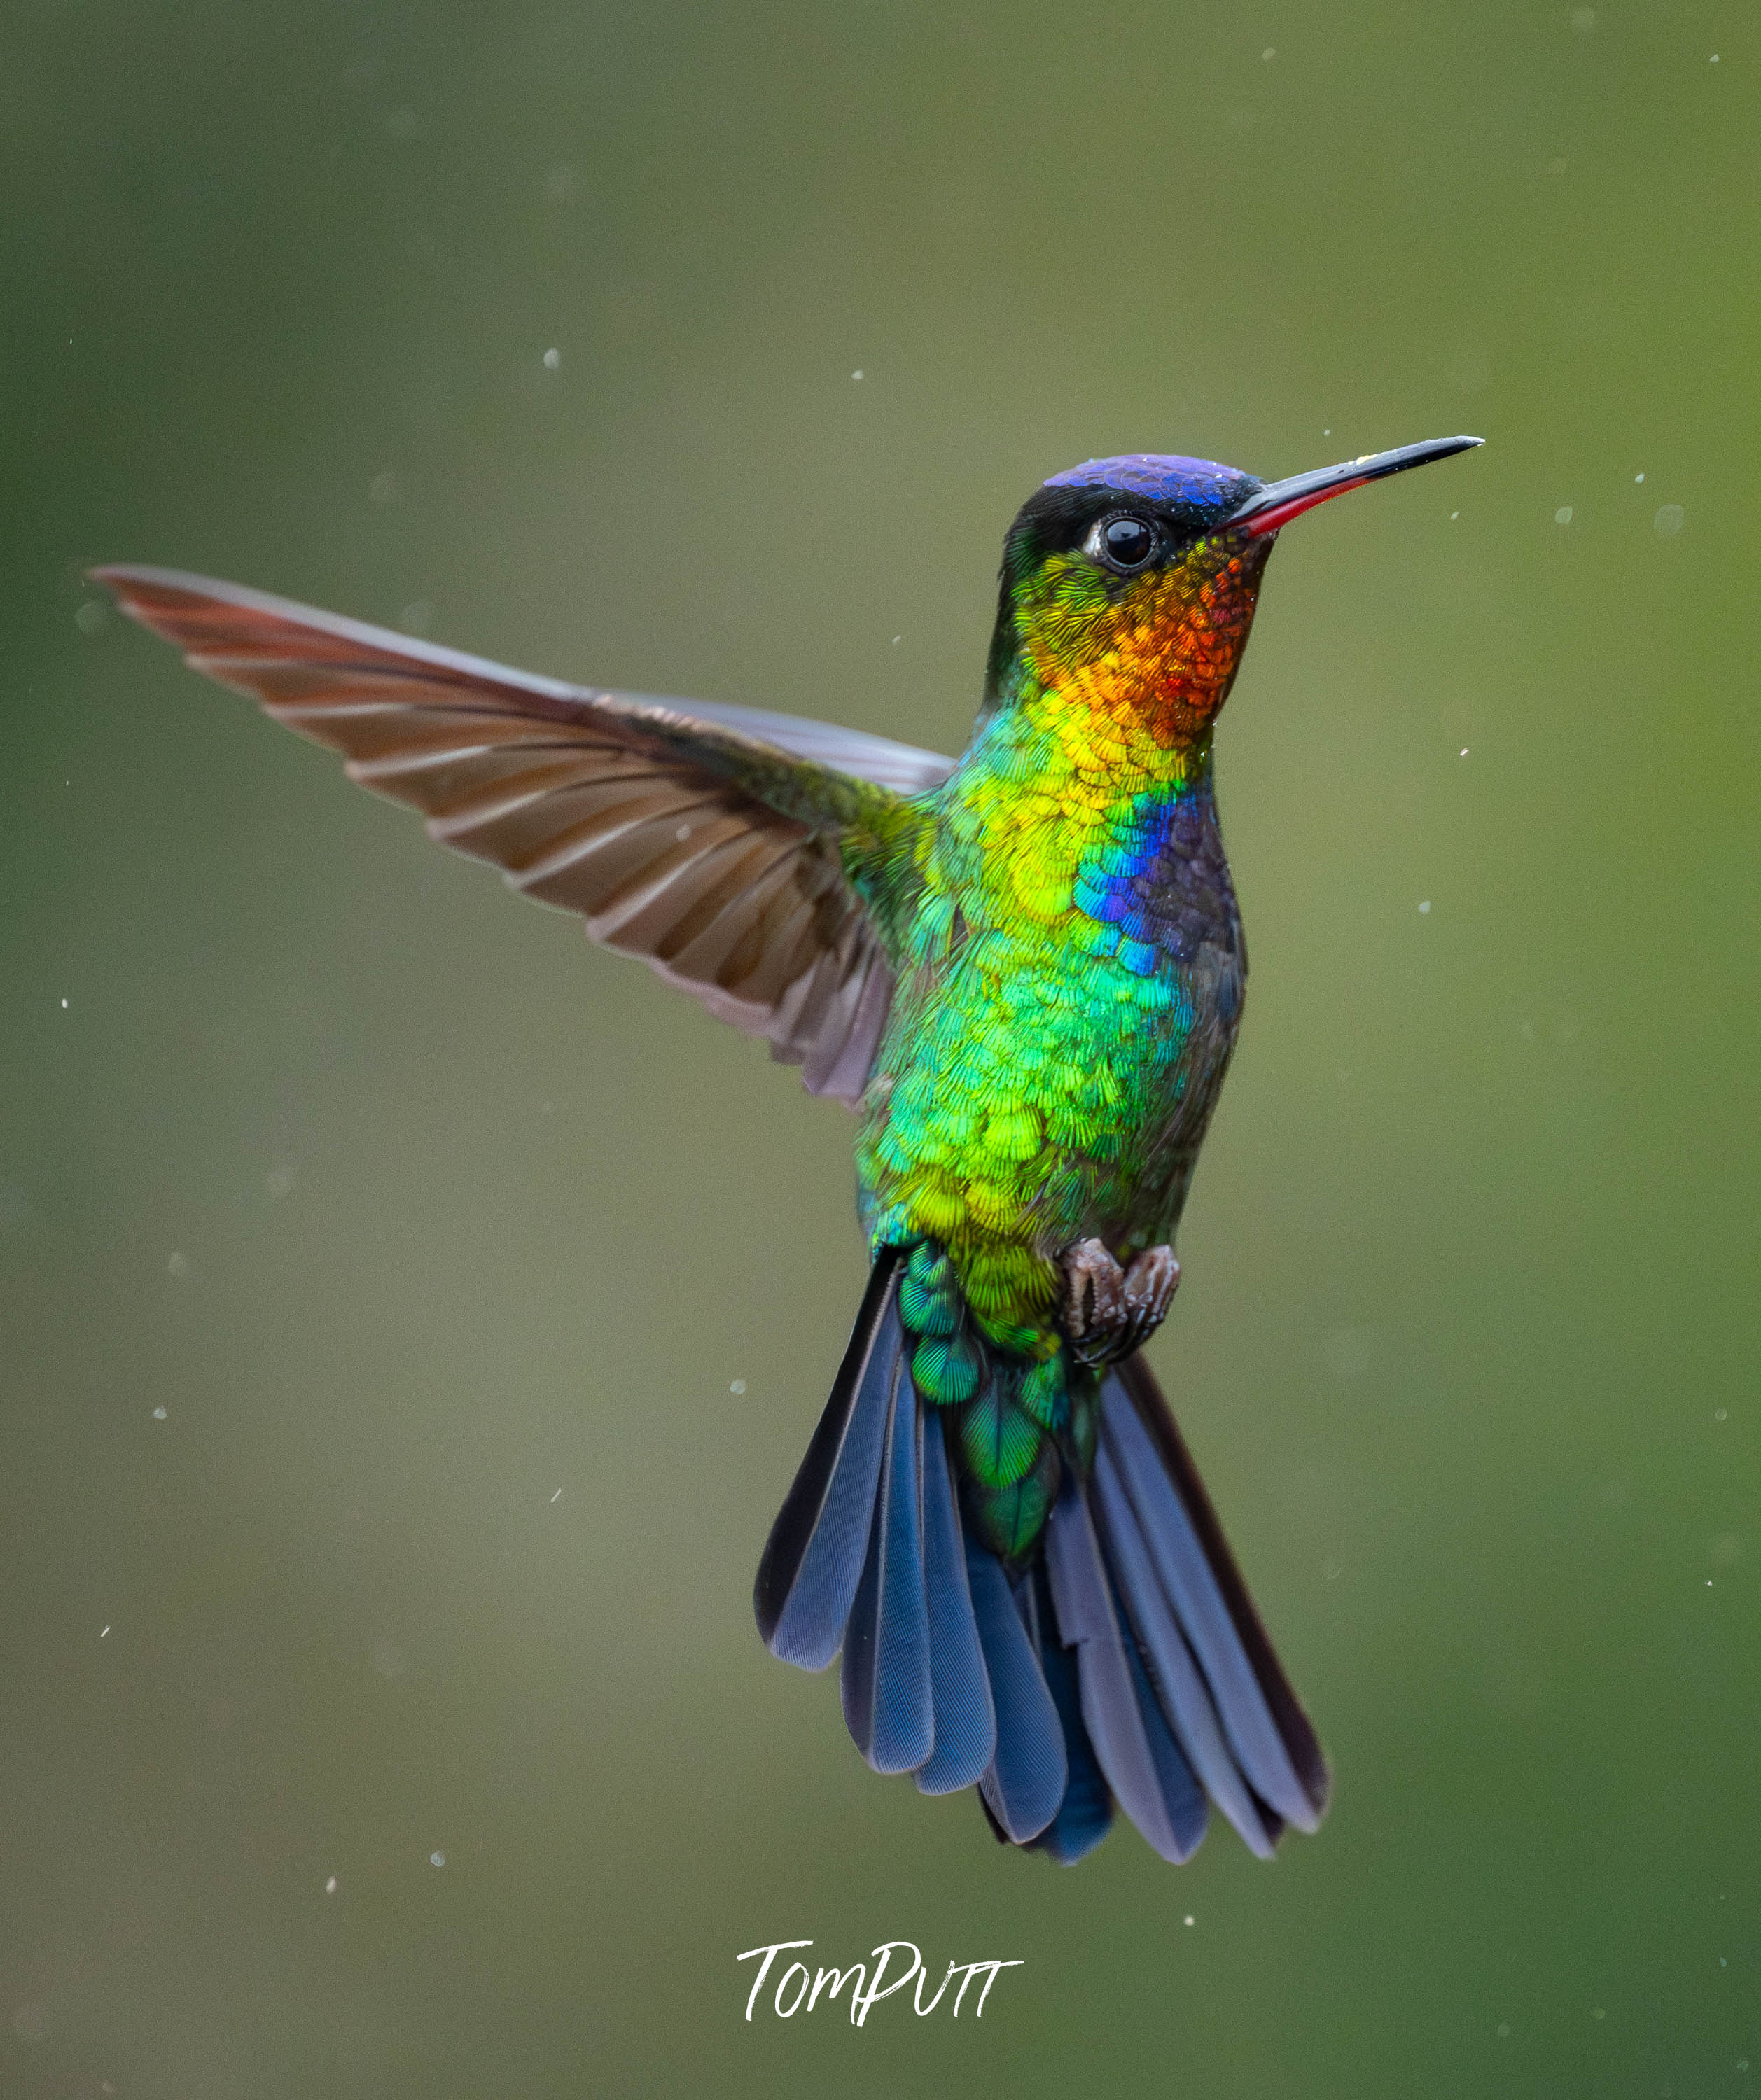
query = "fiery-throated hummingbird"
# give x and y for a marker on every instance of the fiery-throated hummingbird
(1023, 968)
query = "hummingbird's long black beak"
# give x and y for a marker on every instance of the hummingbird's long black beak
(1279, 501)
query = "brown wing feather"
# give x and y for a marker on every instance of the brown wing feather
(650, 820)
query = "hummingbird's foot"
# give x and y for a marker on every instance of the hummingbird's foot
(1109, 1312)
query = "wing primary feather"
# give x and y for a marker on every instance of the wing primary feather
(580, 794)
(813, 1558)
(965, 1720)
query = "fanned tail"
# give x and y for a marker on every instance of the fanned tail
(1119, 1659)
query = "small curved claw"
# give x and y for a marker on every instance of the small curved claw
(1109, 1312)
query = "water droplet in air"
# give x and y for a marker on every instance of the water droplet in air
(437, 1858)
(1637, 479)
(1670, 519)
(552, 359)
(1426, 905)
(557, 1496)
(158, 1414)
(329, 1887)
(1563, 515)
(738, 1386)
(855, 375)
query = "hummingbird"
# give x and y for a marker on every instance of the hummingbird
(1023, 969)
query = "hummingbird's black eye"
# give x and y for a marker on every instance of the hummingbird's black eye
(1126, 543)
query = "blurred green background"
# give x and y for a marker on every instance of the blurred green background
(408, 1211)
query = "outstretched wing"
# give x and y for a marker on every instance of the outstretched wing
(707, 840)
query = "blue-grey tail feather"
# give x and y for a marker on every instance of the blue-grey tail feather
(889, 1704)
(1128, 1663)
(1085, 1814)
(1151, 1780)
(965, 1720)
(1024, 1787)
(813, 1558)
(1180, 1692)
(1266, 1732)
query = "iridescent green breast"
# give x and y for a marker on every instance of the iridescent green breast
(1069, 987)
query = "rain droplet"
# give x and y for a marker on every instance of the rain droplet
(158, 1414)
(552, 359)
(1563, 515)
(1426, 905)
(1670, 519)
(1189, 1921)
(557, 1496)
(738, 1386)
(437, 1858)
(855, 375)
(1637, 479)
(1269, 53)
(1464, 750)
(330, 1887)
